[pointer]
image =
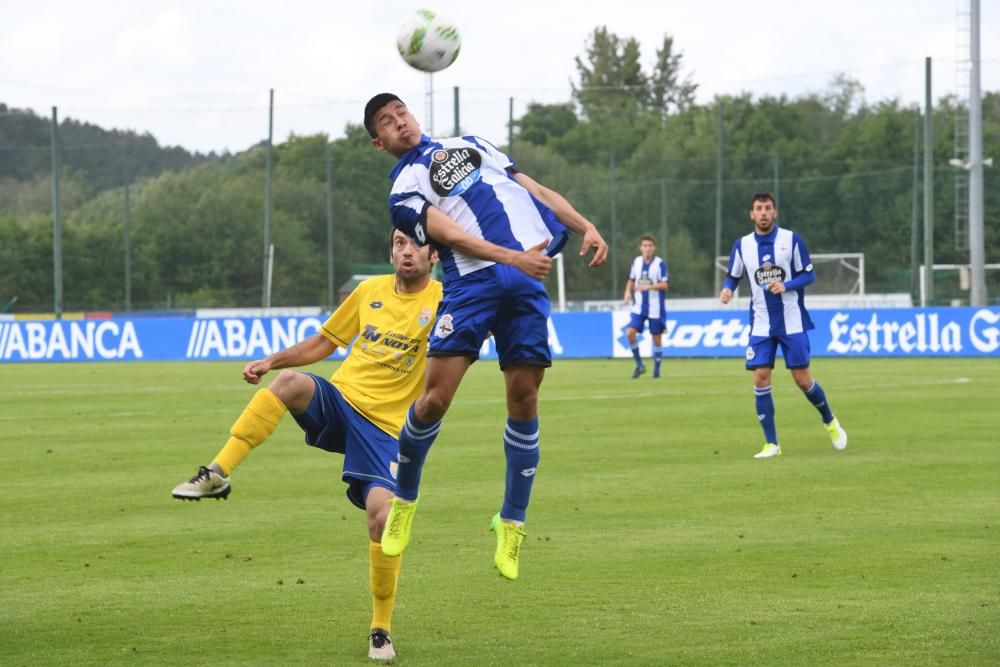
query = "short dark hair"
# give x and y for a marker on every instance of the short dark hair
(647, 237)
(763, 196)
(374, 104)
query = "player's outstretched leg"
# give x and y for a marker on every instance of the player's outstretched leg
(254, 425)
(817, 397)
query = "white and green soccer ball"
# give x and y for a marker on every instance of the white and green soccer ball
(428, 41)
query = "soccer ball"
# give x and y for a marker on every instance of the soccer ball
(428, 41)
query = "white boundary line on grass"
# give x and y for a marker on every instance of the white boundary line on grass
(552, 399)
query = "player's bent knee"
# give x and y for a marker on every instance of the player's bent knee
(294, 389)
(432, 406)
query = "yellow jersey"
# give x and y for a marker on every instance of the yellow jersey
(384, 370)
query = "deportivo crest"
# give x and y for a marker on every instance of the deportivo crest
(424, 317)
(444, 327)
(454, 170)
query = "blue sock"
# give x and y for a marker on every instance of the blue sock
(765, 413)
(635, 353)
(520, 446)
(817, 397)
(657, 358)
(415, 441)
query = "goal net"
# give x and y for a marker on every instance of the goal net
(841, 273)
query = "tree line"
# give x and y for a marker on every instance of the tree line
(632, 150)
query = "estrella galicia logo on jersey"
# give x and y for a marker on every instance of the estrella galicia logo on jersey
(768, 273)
(454, 170)
(444, 327)
(375, 305)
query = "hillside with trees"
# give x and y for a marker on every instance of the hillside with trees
(632, 150)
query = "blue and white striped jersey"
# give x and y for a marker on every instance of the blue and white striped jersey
(780, 255)
(467, 178)
(649, 303)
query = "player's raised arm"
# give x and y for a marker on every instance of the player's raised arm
(569, 216)
(443, 229)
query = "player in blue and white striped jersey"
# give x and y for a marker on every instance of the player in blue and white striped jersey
(496, 231)
(646, 291)
(778, 267)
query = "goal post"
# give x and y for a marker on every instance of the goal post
(952, 282)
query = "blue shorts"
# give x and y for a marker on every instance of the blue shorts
(656, 324)
(794, 347)
(370, 454)
(498, 299)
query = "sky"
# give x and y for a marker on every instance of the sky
(198, 73)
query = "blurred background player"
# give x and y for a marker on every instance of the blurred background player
(778, 267)
(357, 413)
(646, 291)
(496, 231)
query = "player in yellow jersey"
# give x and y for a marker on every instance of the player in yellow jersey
(358, 412)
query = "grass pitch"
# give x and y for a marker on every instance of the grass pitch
(653, 536)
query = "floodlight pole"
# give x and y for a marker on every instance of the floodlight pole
(57, 277)
(561, 281)
(663, 217)
(127, 225)
(330, 302)
(266, 291)
(430, 104)
(510, 126)
(915, 208)
(614, 229)
(928, 282)
(776, 179)
(718, 191)
(977, 293)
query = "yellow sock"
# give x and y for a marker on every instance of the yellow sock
(383, 573)
(252, 427)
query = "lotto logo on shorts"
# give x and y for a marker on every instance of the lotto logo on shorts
(444, 327)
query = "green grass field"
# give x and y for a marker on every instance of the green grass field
(653, 537)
